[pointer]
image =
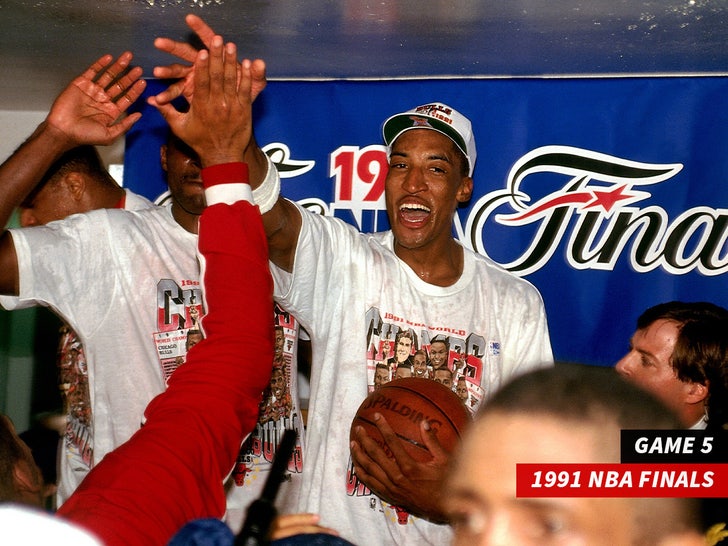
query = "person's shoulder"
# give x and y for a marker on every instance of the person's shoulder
(152, 213)
(74, 224)
(118, 216)
(383, 240)
(500, 277)
(146, 221)
(484, 263)
(316, 213)
(314, 223)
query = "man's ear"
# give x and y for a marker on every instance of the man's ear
(26, 478)
(465, 191)
(75, 184)
(696, 393)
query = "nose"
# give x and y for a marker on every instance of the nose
(500, 531)
(624, 365)
(27, 218)
(414, 181)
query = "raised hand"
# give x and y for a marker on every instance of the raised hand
(91, 109)
(184, 73)
(218, 125)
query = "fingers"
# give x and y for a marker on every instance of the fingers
(93, 71)
(110, 73)
(257, 68)
(208, 70)
(373, 464)
(258, 82)
(429, 437)
(202, 74)
(182, 50)
(168, 112)
(173, 71)
(124, 124)
(366, 470)
(295, 524)
(202, 29)
(223, 71)
(393, 442)
(237, 79)
(128, 87)
(109, 79)
(168, 95)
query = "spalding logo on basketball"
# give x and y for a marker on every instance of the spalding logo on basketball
(405, 403)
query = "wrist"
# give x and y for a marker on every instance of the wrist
(219, 157)
(54, 140)
(225, 173)
(226, 183)
(267, 193)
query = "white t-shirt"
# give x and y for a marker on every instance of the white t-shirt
(134, 201)
(353, 295)
(128, 283)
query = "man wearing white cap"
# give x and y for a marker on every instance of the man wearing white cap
(347, 287)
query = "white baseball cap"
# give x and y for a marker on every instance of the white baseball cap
(438, 117)
(23, 525)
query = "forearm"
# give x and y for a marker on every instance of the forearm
(257, 163)
(20, 173)
(172, 470)
(281, 218)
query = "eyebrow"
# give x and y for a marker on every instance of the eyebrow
(431, 157)
(640, 351)
(464, 494)
(542, 503)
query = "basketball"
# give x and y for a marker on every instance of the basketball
(405, 403)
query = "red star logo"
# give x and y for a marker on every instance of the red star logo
(607, 199)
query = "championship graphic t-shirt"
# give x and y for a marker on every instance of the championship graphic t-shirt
(78, 441)
(127, 282)
(279, 410)
(369, 317)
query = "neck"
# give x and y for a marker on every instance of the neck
(439, 267)
(116, 195)
(189, 221)
(692, 416)
(104, 197)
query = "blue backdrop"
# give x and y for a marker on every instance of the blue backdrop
(608, 194)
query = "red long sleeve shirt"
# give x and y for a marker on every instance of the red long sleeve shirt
(171, 471)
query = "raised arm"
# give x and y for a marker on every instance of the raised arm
(281, 219)
(172, 470)
(89, 111)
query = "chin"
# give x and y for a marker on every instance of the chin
(406, 237)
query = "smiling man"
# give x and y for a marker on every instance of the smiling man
(439, 351)
(415, 274)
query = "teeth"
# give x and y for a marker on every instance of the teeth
(412, 206)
